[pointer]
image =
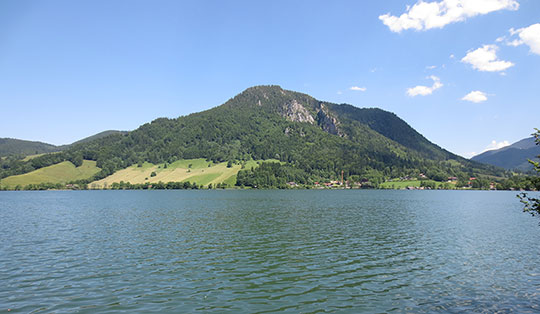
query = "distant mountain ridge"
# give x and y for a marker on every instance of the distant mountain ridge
(12, 146)
(512, 157)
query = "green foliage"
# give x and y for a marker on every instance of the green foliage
(429, 184)
(531, 204)
(271, 174)
(155, 186)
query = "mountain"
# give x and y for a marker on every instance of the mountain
(97, 136)
(313, 140)
(11, 146)
(513, 157)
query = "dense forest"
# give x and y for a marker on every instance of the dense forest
(20, 148)
(314, 141)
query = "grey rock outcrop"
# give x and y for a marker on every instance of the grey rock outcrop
(328, 122)
(294, 111)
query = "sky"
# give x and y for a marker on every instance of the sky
(464, 73)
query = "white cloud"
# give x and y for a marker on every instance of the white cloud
(431, 67)
(485, 59)
(493, 145)
(452, 56)
(475, 96)
(427, 15)
(496, 145)
(357, 88)
(339, 92)
(529, 36)
(425, 90)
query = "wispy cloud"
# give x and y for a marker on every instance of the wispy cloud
(475, 96)
(357, 88)
(485, 59)
(425, 90)
(427, 15)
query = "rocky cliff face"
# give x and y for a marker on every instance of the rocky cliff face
(328, 122)
(294, 111)
(294, 107)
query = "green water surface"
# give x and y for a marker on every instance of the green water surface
(332, 251)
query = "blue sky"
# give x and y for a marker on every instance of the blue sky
(464, 73)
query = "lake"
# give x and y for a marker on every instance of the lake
(248, 251)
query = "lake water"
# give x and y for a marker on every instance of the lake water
(247, 251)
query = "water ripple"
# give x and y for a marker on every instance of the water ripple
(267, 252)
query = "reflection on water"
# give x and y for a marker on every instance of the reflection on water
(267, 251)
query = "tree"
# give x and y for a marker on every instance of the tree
(532, 205)
(77, 160)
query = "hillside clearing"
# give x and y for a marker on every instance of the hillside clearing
(197, 171)
(60, 173)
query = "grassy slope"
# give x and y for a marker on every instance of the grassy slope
(179, 171)
(413, 183)
(59, 173)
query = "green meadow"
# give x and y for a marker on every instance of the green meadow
(414, 183)
(60, 173)
(198, 171)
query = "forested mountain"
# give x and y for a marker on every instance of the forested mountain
(313, 140)
(16, 147)
(95, 137)
(11, 146)
(513, 157)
